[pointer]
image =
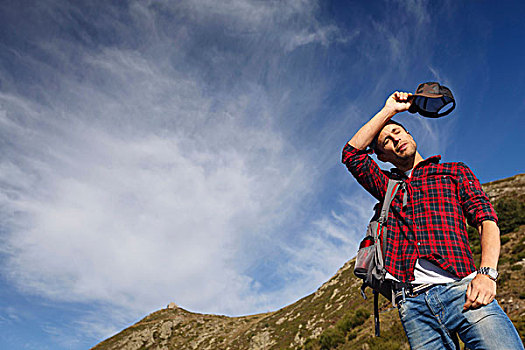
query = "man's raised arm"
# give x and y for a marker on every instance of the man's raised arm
(397, 102)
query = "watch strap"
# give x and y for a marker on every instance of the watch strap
(490, 272)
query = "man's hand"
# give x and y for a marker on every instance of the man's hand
(480, 291)
(398, 102)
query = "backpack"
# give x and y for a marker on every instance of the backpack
(369, 264)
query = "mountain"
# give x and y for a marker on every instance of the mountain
(335, 316)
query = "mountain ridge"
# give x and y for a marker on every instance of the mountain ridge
(335, 315)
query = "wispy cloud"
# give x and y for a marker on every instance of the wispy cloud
(171, 151)
(323, 35)
(128, 180)
(418, 9)
(334, 239)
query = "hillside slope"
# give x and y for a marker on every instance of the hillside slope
(335, 316)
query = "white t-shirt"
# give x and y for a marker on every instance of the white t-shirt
(428, 272)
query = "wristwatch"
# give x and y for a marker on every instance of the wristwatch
(489, 271)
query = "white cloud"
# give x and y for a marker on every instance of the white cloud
(295, 23)
(133, 220)
(160, 161)
(246, 14)
(128, 181)
(324, 35)
(418, 9)
(333, 239)
(435, 73)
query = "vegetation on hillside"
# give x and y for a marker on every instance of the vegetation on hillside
(511, 214)
(335, 316)
(342, 331)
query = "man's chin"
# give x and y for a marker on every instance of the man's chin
(403, 155)
(407, 153)
(403, 158)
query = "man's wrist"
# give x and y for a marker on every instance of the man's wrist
(389, 112)
(489, 272)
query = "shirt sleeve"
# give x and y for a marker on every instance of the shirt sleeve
(366, 171)
(476, 205)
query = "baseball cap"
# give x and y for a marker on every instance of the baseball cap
(432, 100)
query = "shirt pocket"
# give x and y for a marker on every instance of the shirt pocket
(437, 202)
(440, 188)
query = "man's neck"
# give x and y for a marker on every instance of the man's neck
(410, 163)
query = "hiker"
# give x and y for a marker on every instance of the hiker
(438, 290)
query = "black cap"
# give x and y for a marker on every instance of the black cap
(430, 99)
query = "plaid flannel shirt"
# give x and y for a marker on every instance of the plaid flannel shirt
(432, 223)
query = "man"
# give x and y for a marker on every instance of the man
(439, 292)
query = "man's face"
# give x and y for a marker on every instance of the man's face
(395, 144)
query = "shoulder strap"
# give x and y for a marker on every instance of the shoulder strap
(391, 190)
(376, 313)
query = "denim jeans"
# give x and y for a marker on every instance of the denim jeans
(434, 320)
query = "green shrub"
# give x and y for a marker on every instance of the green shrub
(344, 324)
(504, 239)
(503, 260)
(331, 338)
(516, 267)
(518, 248)
(473, 235)
(360, 317)
(503, 277)
(511, 214)
(311, 344)
(390, 339)
(350, 321)
(382, 344)
(353, 335)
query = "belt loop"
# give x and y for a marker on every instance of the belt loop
(394, 297)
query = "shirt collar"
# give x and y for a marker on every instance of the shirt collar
(432, 159)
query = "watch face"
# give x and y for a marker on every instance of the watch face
(489, 272)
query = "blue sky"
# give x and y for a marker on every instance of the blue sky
(189, 151)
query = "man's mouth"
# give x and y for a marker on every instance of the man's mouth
(402, 147)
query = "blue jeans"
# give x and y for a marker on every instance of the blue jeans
(434, 320)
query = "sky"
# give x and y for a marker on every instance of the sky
(190, 151)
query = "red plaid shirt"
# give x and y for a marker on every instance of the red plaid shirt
(432, 224)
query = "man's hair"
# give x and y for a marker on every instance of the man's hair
(374, 145)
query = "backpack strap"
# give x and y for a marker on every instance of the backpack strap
(375, 276)
(391, 190)
(376, 313)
